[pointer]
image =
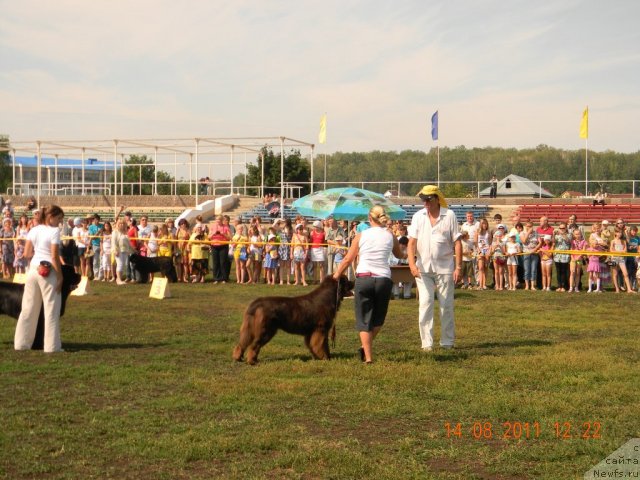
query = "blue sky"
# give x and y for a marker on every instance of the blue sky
(501, 73)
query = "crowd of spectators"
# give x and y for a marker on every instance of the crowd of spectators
(529, 255)
(520, 255)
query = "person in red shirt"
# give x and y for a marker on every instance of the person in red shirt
(318, 250)
(220, 237)
(544, 228)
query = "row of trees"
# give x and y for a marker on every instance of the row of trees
(458, 164)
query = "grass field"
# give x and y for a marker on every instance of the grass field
(147, 389)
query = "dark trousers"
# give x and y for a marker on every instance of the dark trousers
(562, 270)
(220, 260)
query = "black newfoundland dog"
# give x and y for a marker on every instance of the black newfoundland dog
(311, 315)
(11, 301)
(143, 266)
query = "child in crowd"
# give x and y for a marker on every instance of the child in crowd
(340, 251)
(271, 259)
(165, 244)
(575, 267)
(593, 268)
(513, 250)
(152, 243)
(20, 263)
(255, 250)
(105, 261)
(467, 261)
(199, 252)
(632, 262)
(499, 259)
(299, 254)
(546, 262)
(240, 242)
(8, 247)
(483, 247)
(619, 245)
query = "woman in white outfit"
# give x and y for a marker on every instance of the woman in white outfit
(373, 277)
(43, 284)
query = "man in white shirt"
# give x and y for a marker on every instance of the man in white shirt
(471, 226)
(433, 240)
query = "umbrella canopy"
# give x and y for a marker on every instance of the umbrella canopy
(347, 203)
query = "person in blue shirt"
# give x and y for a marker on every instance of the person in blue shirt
(95, 234)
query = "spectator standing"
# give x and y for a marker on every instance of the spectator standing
(286, 233)
(531, 242)
(433, 239)
(299, 254)
(633, 241)
(331, 232)
(183, 235)
(220, 237)
(7, 244)
(122, 248)
(493, 190)
(106, 252)
(317, 251)
(482, 243)
(619, 245)
(95, 234)
(562, 241)
(20, 262)
(43, 284)
(578, 243)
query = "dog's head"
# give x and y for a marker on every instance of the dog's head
(70, 281)
(345, 287)
(134, 259)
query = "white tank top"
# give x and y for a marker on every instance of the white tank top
(375, 247)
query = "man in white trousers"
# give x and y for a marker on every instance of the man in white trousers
(435, 260)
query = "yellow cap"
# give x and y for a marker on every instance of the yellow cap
(433, 190)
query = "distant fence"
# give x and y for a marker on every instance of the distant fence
(451, 188)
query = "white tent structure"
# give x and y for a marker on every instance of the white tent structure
(200, 155)
(517, 186)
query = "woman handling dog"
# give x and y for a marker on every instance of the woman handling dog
(373, 277)
(43, 284)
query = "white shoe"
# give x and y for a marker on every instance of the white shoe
(427, 349)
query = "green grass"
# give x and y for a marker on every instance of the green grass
(147, 389)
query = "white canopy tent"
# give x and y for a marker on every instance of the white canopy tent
(191, 153)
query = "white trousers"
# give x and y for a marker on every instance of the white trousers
(429, 285)
(39, 290)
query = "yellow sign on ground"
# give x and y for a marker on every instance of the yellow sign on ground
(160, 288)
(20, 278)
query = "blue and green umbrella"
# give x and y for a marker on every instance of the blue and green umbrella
(345, 203)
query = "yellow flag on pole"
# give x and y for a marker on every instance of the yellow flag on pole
(322, 135)
(584, 124)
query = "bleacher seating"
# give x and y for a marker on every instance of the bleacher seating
(155, 215)
(479, 211)
(585, 213)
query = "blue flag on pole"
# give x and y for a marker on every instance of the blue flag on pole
(434, 126)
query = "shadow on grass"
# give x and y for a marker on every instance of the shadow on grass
(512, 344)
(78, 347)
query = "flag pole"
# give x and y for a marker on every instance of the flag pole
(438, 150)
(586, 167)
